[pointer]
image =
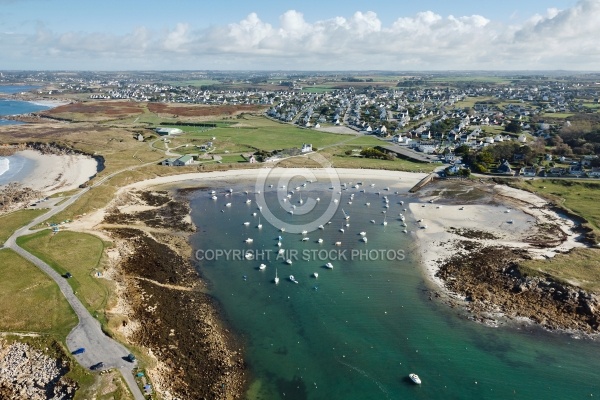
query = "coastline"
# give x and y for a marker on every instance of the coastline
(436, 242)
(51, 173)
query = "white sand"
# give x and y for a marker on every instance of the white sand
(510, 223)
(54, 173)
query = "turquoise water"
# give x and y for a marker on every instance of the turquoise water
(359, 329)
(15, 107)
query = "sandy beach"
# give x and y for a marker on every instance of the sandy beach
(57, 173)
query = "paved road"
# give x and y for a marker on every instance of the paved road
(88, 333)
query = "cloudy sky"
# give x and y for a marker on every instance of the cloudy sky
(300, 35)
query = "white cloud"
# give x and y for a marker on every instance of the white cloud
(558, 39)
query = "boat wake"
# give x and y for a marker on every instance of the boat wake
(363, 373)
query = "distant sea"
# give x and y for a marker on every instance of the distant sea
(14, 107)
(15, 168)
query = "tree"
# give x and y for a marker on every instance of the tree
(513, 127)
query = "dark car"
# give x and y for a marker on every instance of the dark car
(68, 275)
(79, 351)
(97, 366)
(130, 357)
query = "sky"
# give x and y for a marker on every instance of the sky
(351, 35)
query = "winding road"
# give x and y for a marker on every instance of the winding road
(88, 332)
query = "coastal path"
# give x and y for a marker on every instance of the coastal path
(88, 332)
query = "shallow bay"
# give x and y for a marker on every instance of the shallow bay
(359, 329)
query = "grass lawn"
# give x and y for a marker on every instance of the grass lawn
(581, 197)
(580, 267)
(13, 221)
(77, 253)
(257, 132)
(30, 301)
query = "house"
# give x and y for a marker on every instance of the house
(169, 162)
(594, 173)
(252, 159)
(505, 168)
(184, 160)
(449, 157)
(140, 137)
(306, 148)
(575, 170)
(528, 171)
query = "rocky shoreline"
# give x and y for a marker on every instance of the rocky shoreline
(492, 285)
(27, 373)
(474, 254)
(179, 326)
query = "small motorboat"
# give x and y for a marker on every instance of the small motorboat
(288, 261)
(293, 279)
(214, 197)
(321, 227)
(415, 378)
(364, 239)
(305, 239)
(338, 243)
(228, 205)
(262, 267)
(329, 265)
(246, 223)
(319, 240)
(363, 234)
(315, 274)
(249, 240)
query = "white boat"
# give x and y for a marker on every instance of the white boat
(214, 197)
(304, 232)
(278, 244)
(321, 227)
(364, 239)
(282, 229)
(249, 240)
(288, 261)
(372, 221)
(228, 205)
(276, 279)
(415, 378)
(280, 251)
(404, 230)
(384, 221)
(363, 234)
(246, 223)
(318, 199)
(293, 279)
(319, 240)
(335, 200)
(346, 216)
(338, 243)
(305, 239)
(342, 230)
(316, 274)
(212, 192)
(254, 214)
(249, 255)
(329, 265)
(262, 267)
(367, 204)
(259, 226)
(248, 201)
(230, 190)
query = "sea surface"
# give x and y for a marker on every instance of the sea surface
(15, 168)
(13, 107)
(359, 329)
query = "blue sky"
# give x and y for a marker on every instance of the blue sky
(292, 35)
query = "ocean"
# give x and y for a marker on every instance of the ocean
(13, 107)
(15, 168)
(357, 330)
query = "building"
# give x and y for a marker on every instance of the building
(306, 148)
(168, 131)
(184, 160)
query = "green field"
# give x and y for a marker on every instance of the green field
(77, 253)
(13, 221)
(580, 268)
(581, 197)
(30, 301)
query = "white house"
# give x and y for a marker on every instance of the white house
(306, 148)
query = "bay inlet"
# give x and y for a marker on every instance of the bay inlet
(359, 328)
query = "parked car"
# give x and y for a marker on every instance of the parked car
(68, 275)
(97, 366)
(130, 357)
(79, 351)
